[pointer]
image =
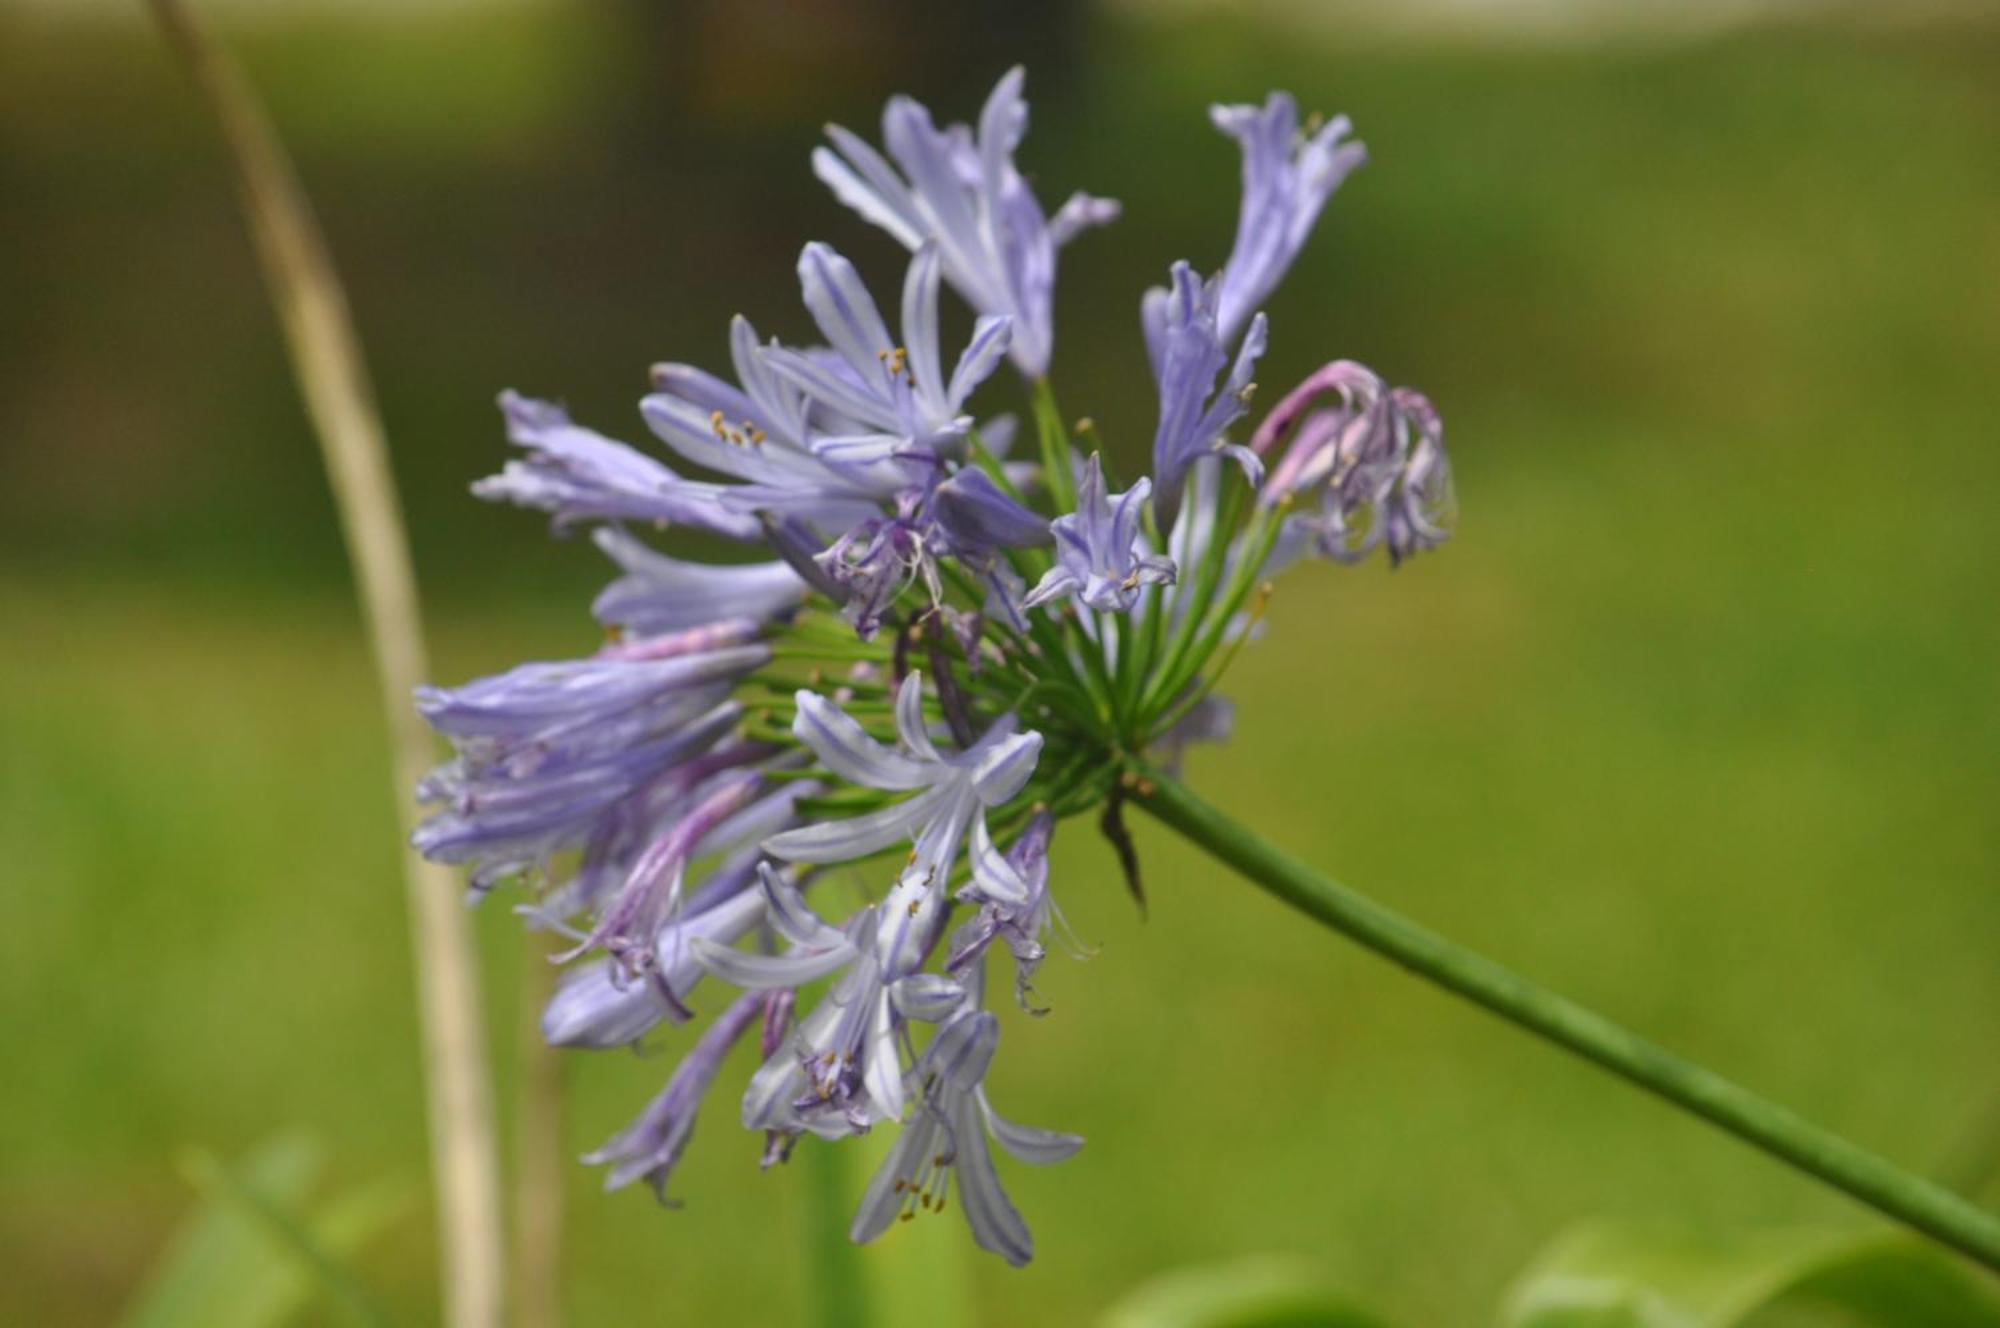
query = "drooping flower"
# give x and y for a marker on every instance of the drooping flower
(1098, 556)
(1375, 462)
(840, 1071)
(947, 1136)
(545, 751)
(1287, 178)
(977, 514)
(602, 1006)
(649, 1148)
(964, 194)
(1010, 892)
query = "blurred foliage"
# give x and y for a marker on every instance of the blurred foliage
(1695, 721)
(1609, 1275)
(1247, 1293)
(1626, 1275)
(252, 1255)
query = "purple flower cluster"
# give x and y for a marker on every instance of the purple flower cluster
(943, 652)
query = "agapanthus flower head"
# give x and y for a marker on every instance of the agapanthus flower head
(878, 698)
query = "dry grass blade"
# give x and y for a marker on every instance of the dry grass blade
(327, 361)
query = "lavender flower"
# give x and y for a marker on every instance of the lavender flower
(840, 1071)
(1097, 548)
(948, 1135)
(1011, 893)
(601, 1006)
(580, 475)
(545, 751)
(1185, 343)
(1376, 463)
(1287, 178)
(978, 515)
(658, 594)
(965, 195)
(897, 394)
(648, 1148)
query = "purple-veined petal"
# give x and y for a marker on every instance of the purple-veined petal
(910, 726)
(840, 303)
(762, 972)
(1025, 1142)
(882, 1074)
(845, 749)
(790, 916)
(996, 1224)
(991, 336)
(996, 878)
(857, 836)
(1002, 771)
(926, 996)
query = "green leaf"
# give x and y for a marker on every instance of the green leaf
(1262, 1292)
(1616, 1275)
(241, 1260)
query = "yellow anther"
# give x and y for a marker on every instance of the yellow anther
(716, 422)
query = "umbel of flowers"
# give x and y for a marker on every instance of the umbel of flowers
(943, 649)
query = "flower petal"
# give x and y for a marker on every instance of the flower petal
(926, 996)
(996, 1224)
(857, 836)
(1002, 771)
(996, 877)
(910, 717)
(1029, 1144)
(761, 972)
(845, 749)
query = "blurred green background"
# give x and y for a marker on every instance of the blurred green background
(1696, 720)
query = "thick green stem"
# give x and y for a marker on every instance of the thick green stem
(1874, 1181)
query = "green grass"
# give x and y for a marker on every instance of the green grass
(1695, 720)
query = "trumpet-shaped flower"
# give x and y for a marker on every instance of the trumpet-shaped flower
(649, 1148)
(1287, 178)
(963, 193)
(1099, 559)
(1185, 343)
(947, 1136)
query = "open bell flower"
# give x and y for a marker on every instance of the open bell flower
(1099, 560)
(946, 1137)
